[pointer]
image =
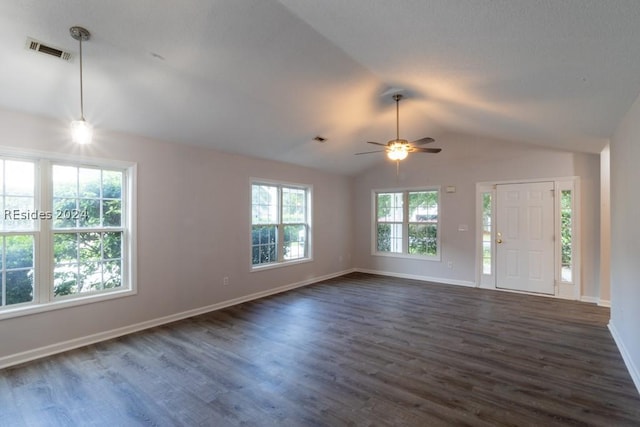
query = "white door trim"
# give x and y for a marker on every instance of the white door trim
(564, 290)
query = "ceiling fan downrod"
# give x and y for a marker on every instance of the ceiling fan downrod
(397, 97)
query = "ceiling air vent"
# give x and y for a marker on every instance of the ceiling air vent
(38, 46)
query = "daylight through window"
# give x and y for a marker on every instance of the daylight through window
(87, 238)
(76, 215)
(566, 234)
(407, 222)
(486, 233)
(18, 235)
(280, 226)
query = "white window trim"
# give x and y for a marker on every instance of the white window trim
(284, 263)
(43, 300)
(374, 222)
(572, 288)
(485, 280)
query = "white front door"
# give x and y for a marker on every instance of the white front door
(525, 237)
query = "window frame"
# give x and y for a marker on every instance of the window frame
(33, 231)
(405, 223)
(487, 229)
(280, 224)
(43, 289)
(573, 186)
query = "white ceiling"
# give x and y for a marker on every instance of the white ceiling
(263, 77)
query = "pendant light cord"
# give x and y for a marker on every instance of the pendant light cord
(397, 116)
(81, 91)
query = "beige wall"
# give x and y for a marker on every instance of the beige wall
(625, 239)
(465, 161)
(193, 229)
(194, 220)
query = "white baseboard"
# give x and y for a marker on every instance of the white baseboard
(591, 300)
(37, 353)
(595, 300)
(418, 277)
(634, 370)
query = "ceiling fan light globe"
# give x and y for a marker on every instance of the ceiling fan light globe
(398, 153)
(81, 132)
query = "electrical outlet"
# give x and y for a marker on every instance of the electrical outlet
(225, 281)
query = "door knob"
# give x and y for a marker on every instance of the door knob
(498, 240)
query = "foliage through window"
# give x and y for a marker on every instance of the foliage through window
(18, 235)
(407, 222)
(75, 214)
(486, 233)
(279, 223)
(566, 235)
(87, 238)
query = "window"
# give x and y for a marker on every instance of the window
(407, 222)
(87, 229)
(390, 209)
(486, 233)
(66, 233)
(18, 234)
(280, 226)
(566, 234)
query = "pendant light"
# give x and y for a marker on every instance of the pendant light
(398, 149)
(81, 130)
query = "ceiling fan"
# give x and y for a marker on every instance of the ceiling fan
(398, 149)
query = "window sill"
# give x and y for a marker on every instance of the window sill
(36, 308)
(407, 256)
(255, 268)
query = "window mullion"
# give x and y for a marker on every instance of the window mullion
(405, 222)
(280, 247)
(280, 233)
(44, 239)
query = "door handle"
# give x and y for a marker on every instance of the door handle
(498, 240)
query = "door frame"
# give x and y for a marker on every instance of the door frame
(562, 289)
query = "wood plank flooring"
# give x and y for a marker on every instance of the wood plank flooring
(358, 350)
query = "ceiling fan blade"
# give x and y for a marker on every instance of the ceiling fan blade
(422, 141)
(369, 152)
(376, 143)
(426, 150)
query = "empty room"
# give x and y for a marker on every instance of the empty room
(301, 213)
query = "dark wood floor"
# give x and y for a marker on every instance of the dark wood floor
(356, 350)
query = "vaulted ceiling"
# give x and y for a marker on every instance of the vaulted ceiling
(264, 77)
